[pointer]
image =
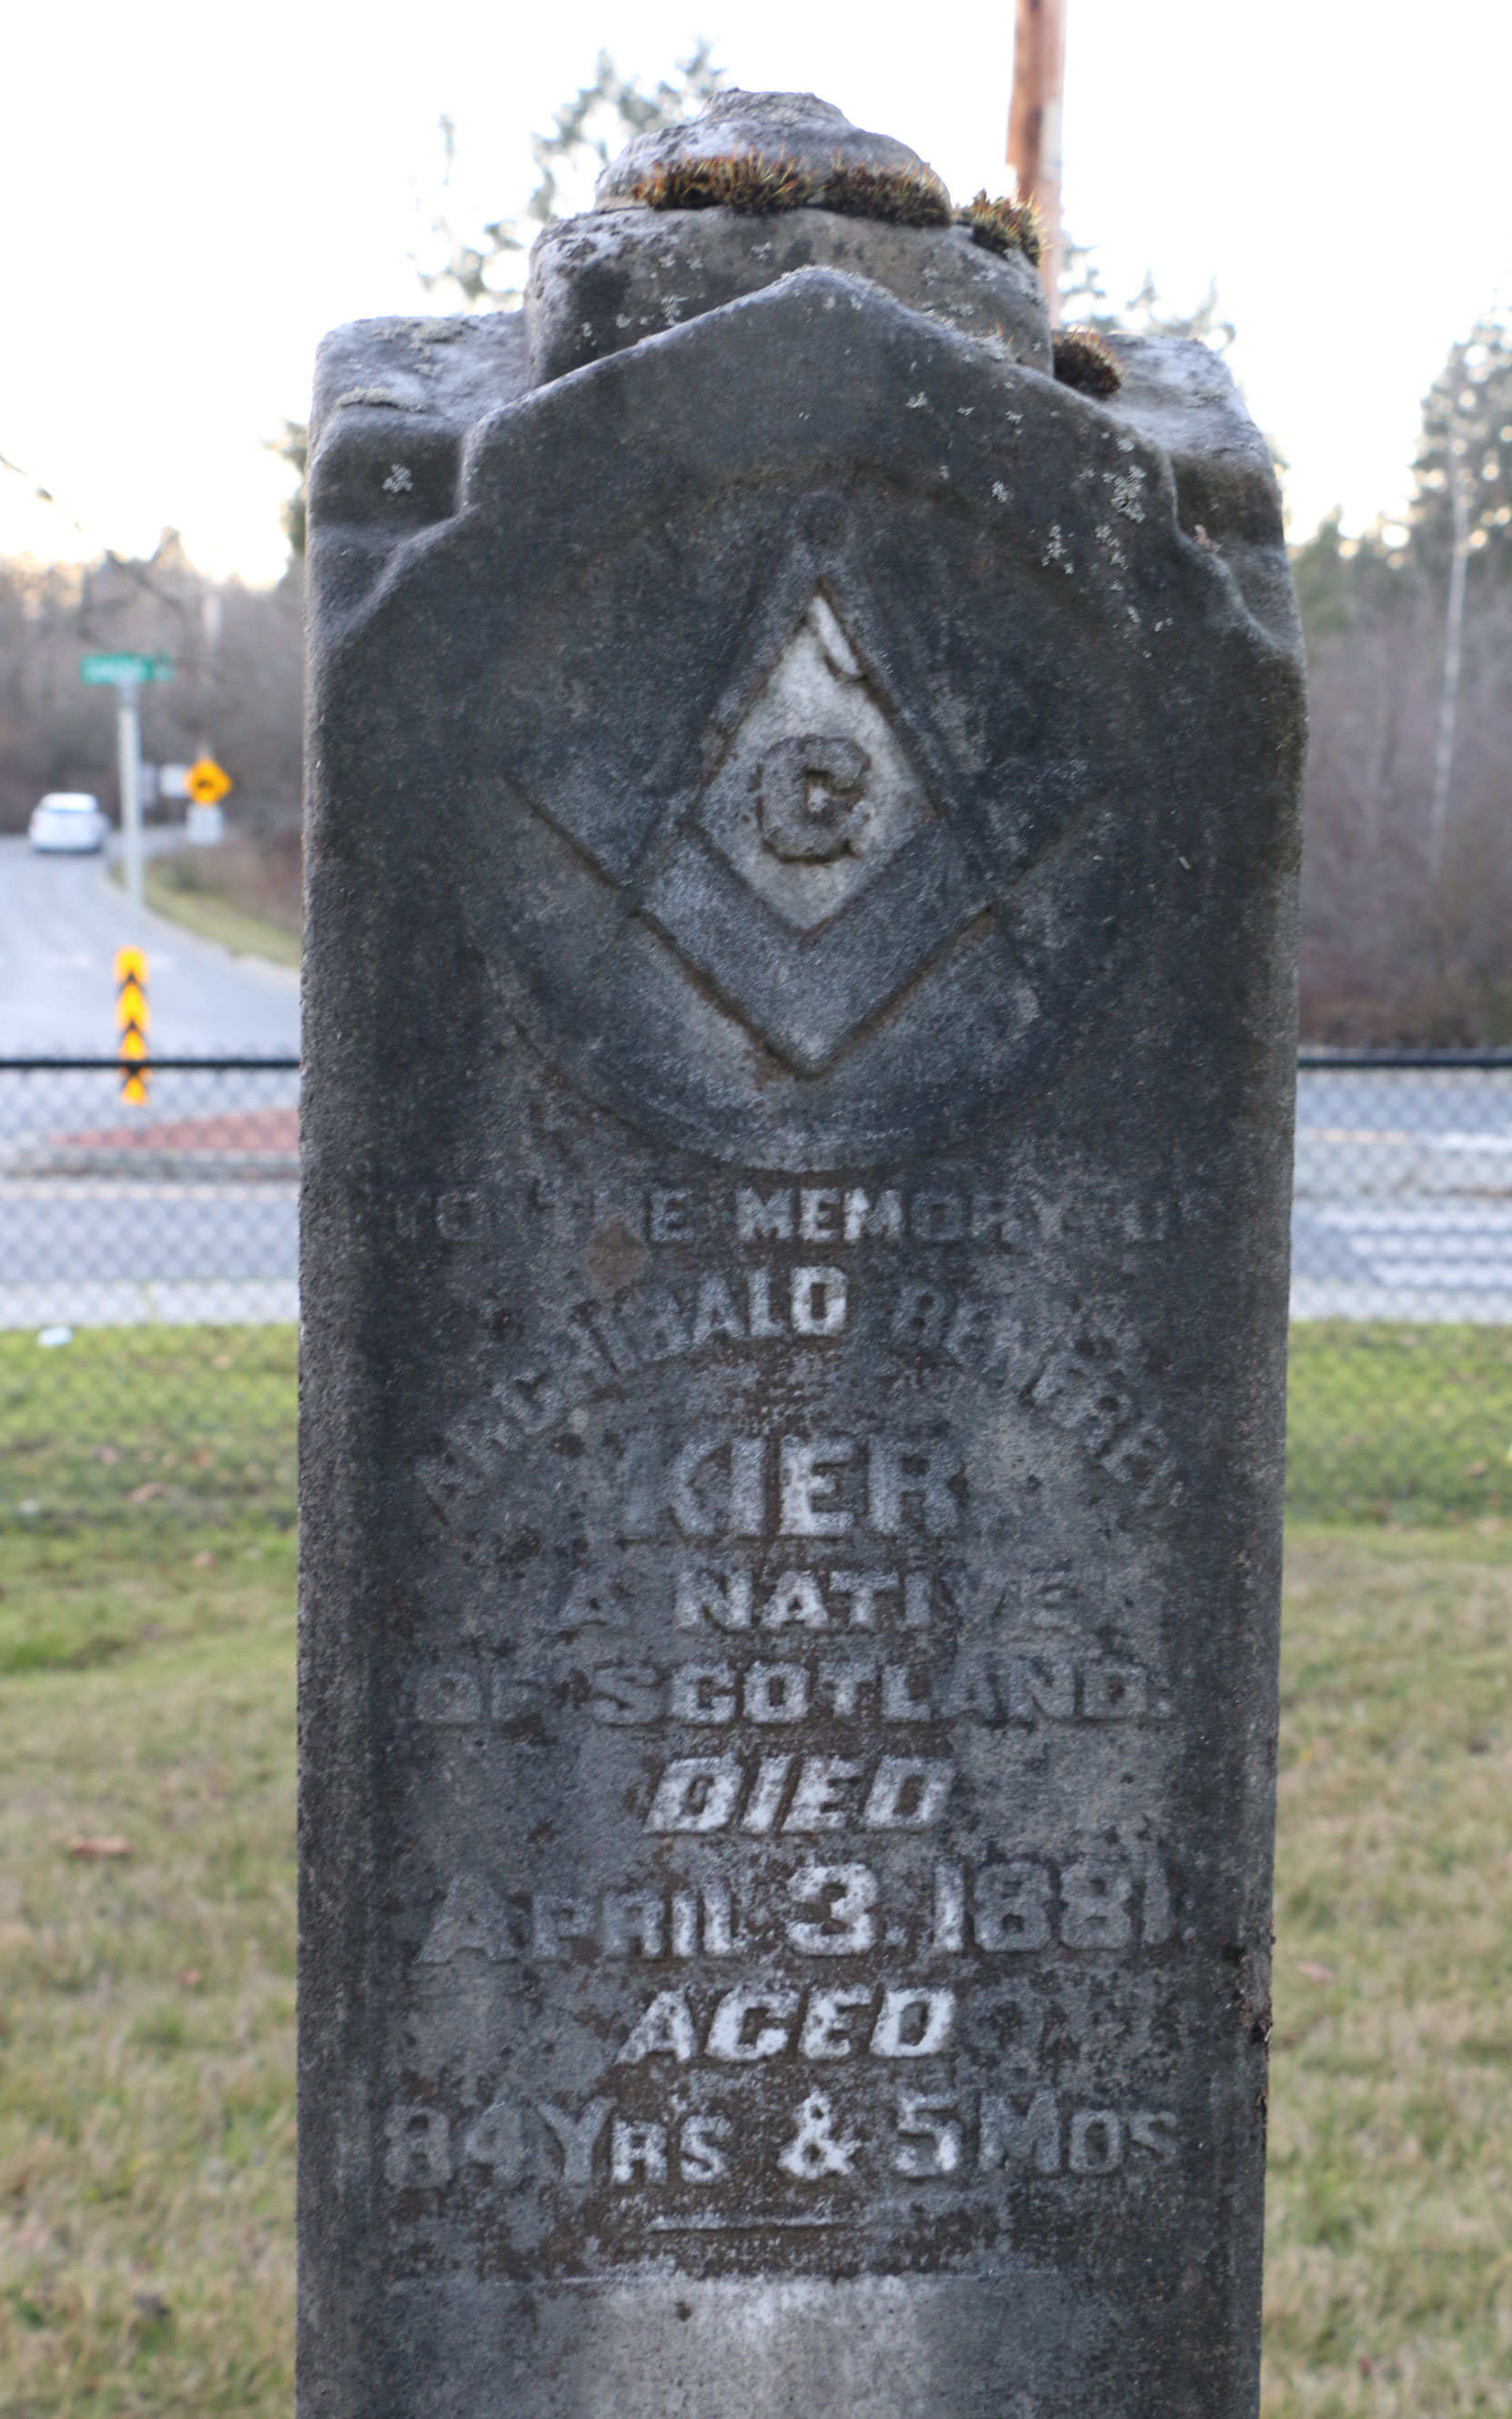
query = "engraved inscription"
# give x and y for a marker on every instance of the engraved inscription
(972, 2136)
(1016, 1904)
(867, 1728)
(808, 1267)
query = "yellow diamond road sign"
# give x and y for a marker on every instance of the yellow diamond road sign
(207, 783)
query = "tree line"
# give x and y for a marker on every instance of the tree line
(236, 693)
(1406, 866)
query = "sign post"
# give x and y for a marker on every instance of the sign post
(126, 673)
(129, 756)
(206, 784)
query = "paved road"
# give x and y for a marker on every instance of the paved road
(93, 1253)
(61, 922)
(1403, 1200)
(145, 1235)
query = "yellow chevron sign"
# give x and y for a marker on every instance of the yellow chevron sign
(133, 1020)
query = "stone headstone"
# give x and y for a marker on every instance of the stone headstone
(797, 1124)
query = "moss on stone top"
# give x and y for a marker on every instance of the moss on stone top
(1005, 226)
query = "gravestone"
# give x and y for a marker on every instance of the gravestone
(802, 840)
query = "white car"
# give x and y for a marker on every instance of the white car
(68, 819)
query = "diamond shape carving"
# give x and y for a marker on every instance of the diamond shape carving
(814, 877)
(816, 793)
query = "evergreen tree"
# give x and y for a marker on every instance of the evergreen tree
(293, 447)
(588, 132)
(1085, 304)
(1467, 444)
(1343, 582)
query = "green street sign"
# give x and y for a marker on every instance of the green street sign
(100, 672)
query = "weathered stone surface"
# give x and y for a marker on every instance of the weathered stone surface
(622, 272)
(796, 129)
(612, 277)
(802, 840)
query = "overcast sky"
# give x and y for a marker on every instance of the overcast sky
(191, 195)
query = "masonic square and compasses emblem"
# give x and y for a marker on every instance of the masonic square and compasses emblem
(778, 887)
(808, 876)
(814, 877)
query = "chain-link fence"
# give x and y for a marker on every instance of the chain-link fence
(148, 1293)
(1401, 1295)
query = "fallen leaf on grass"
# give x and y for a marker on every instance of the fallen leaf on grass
(1315, 1973)
(99, 1847)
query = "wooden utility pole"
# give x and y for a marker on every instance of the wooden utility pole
(1456, 447)
(1034, 124)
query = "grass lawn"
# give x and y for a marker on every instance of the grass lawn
(182, 887)
(1411, 1424)
(1389, 2275)
(147, 2049)
(147, 2068)
(147, 1999)
(146, 1489)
